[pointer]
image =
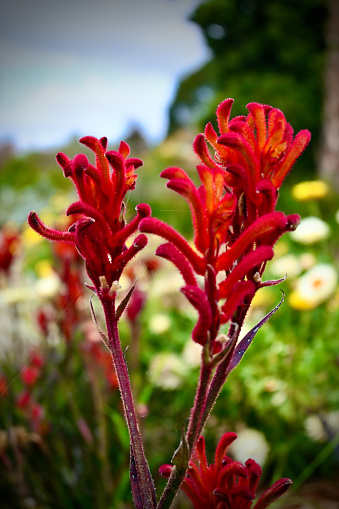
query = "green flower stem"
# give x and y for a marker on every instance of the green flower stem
(146, 485)
(179, 471)
(172, 487)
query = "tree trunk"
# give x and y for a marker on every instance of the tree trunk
(329, 150)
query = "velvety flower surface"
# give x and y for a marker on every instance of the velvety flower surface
(225, 484)
(101, 232)
(233, 212)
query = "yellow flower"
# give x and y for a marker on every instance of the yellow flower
(311, 190)
(44, 268)
(30, 238)
(263, 298)
(314, 287)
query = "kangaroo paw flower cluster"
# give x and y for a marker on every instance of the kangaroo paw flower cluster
(235, 225)
(100, 235)
(225, 484)
(233, 213)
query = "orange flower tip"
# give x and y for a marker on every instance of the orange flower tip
(143, 209)
(210, 132)
(253, 106)
(124, 149)
(165, 470)
(306, 135)
(224, 107)
(293, 222)
(80, 163)
(201, 149)
(103, 142)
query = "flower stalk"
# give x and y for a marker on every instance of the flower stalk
(144, 479)
(235, 225)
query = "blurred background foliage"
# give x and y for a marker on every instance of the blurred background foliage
(63, 442)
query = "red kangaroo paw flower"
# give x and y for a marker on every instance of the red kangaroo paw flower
(79, 207)
(101, 234)
(103, 142)
(50, 234)
(95, 145)
(237, 142)
(153, 225)
(121, 261)
(244, 289)
(210, 134)
(275, 221)
(225, 481)
(124, 149)
(65, 163)
(173, 172)
(186, 188)
(273, 493)
(143, 210)
(298, 146)
(201, 149)
(259, 115)
(248, 263)
(171, 253)
(198, 299)
(229, 471)
(269, 196)
(223, 114)
(224, 443)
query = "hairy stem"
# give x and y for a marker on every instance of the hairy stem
(198, 408)
(144, 479)
(172, 487)
(218, 380)
(178, 472)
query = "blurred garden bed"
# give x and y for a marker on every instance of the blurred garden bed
(63, 441)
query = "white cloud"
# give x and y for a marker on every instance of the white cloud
(92, 70)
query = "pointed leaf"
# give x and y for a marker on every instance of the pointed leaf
(181, 455)
(143, 498)
(123, 304)
(135, 485)
(247, 339)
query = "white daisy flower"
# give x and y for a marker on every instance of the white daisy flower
(311, 230)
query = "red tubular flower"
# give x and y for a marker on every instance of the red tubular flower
(9, 243)
(100, 234)
(233, 212)
(225, 484)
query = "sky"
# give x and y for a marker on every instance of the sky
(100, 67)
